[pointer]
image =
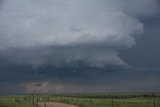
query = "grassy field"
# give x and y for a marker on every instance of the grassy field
(84, 100)
(15, 101)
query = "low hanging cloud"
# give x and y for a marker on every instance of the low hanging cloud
(70, 32)
(140, 81)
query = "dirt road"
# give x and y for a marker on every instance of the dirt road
(54, 104)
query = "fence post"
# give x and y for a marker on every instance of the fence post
(91, 99)
(32, 100)
(77, 99)
(112, 102)
(37, 102)
(154, 101)
(45, 103)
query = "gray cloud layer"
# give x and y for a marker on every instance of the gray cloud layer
(64, 32)
(73, 44)
(141, 81)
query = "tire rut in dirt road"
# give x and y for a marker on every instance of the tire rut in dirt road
(54, 104)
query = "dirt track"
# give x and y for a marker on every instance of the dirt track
(54, 104)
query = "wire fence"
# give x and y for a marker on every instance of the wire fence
(81, 101)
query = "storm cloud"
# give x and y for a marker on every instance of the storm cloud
(66, 32)
(58, 45)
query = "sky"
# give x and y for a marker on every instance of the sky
(67, 46)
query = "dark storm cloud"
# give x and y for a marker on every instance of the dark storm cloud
(62, 46)
(124, 81)
(146, 53)
(27, 26)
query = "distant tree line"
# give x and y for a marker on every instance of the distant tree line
(115, 96)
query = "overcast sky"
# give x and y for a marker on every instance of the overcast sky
(103, 46)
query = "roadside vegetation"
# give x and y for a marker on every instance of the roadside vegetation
(15, 101)
(84, 100)
(109, 100)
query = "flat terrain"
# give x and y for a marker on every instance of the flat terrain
(82, 100)
(54, 104)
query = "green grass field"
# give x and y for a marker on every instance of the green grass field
(83, 100)
(15, 101)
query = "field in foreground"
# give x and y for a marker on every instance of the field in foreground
(84, 100)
